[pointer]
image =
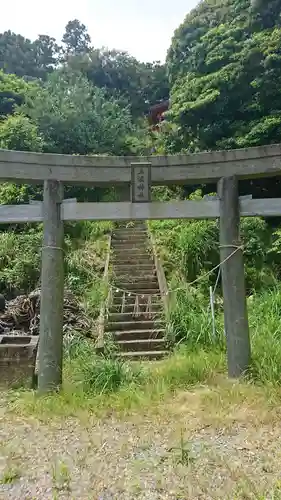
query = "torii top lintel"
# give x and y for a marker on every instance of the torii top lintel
(261, 161)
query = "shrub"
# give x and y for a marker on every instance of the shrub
(20, 261)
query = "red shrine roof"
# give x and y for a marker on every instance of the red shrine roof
(155, 114)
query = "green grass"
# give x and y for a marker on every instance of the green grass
(265, 327)
(103, 384)
(99, 385)
(10, 475)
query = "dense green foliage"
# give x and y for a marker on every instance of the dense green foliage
(134, 84)
(22, 57)
(19, 133)
(12, 93)
(225, 69)
(76, 118)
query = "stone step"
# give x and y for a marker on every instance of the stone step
(129, 308)
(142, 235)
(136, 231)
(126, 234)
(136, 285)
(130, 316)
(142, 298)
(142, 345)
(131, 266)
(121, 238)
(134, 271)
(142, 293)
(130, 231)
(139, 334)
(125, 257)
(134, 278)
(130, 260)
(131, 223)
(133, 325)
(127, 245)
(130, 244)
(143, 355)
(131, 252)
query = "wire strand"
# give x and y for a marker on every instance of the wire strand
(218, 266)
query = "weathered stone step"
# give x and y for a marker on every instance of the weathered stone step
(142, 298)
(127, 245)
(130, 230)
(134, 279)
(142, 345)
(128, 253)
(139, 334)
(133, 325)
(131, 266)
(129, 224)
(129, 308)
(131, 260)
(131, 252)
(134, 240)
(130, 243)
(129, 235)
(136, 285)
(135, 273)
(142, 293)
(130, 316)
(143, 355)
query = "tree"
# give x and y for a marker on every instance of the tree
(132, 83)
(17, 132)
(225, 69)
(13, 91)
(230, 94)
(46, 53)
(154, 82)
(22, 57)
(74, 117)
(16, 55)
(76, 39)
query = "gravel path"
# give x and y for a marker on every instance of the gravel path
(179, 452)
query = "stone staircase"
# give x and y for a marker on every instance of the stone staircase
(136, 316)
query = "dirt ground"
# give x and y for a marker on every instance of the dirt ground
(209, 443)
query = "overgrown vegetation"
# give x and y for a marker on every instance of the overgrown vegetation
(20, 261)
(98, 384)
(223, 69)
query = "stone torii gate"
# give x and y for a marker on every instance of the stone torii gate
(224, 167)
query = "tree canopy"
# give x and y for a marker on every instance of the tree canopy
(134, 84)
(76, 38)
(74, 117)
(21, 56)
(225, 69)
(13, 91)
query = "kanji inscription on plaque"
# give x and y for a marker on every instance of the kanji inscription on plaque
(140, 182)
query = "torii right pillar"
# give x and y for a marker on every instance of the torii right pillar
(233, 280)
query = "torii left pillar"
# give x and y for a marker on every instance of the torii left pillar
(52, 291)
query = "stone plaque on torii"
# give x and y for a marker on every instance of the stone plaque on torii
(140, 182)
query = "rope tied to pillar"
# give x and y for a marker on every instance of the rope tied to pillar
(51, 247)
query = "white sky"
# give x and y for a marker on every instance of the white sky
(142, 27)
